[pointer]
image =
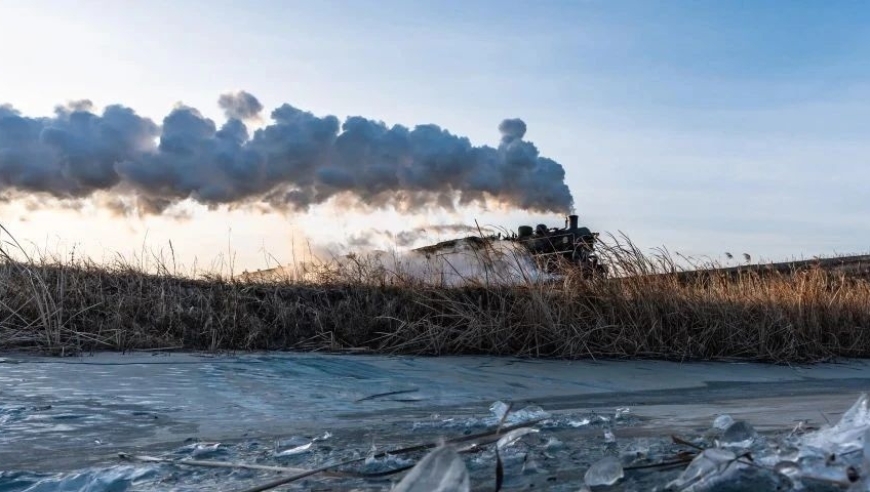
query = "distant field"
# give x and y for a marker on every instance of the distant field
(853, 266)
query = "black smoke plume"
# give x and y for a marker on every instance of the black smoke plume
(296, 161)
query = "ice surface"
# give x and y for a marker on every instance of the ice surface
(261, 399)
(118, 478)
(638, 449)
(442, 470)
(606, 471)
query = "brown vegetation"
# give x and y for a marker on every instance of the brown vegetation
(70, 306)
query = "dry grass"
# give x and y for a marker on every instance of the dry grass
(73, 305)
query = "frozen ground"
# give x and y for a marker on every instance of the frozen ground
(64, 421)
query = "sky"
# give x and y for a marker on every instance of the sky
(704, 127)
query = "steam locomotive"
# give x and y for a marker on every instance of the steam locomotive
(553, 249)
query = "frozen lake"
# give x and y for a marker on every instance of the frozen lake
(63, 420)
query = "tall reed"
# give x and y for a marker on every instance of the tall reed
(392, 304)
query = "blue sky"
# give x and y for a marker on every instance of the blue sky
(701, 126)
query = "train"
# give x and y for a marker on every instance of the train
(554, 249)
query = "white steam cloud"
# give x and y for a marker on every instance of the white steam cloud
(295, 161)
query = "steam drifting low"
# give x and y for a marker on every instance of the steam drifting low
(367, 239)
(295, 161)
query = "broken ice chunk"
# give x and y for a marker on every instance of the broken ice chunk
(722, 422)
(513, 436)
(788, 468)
(553, 443)
(847, 434)
(739, 434)
(291, 442)
(442, 470)
(205, 449)
(499, 409)
(709, 466)
(532, 412)
(606, 471)
(294, 451)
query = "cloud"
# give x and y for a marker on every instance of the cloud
(240, 105)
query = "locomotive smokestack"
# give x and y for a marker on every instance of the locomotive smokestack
(573, 220)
